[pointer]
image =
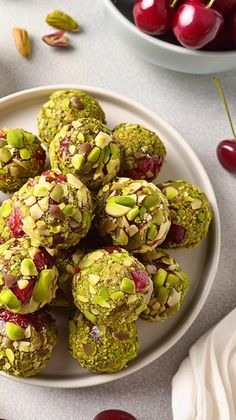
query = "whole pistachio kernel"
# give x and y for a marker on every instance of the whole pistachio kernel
(28, 267)
(43, 284)
(9, 299)
(25, 154)
(14, 331)
(127, 285)
(5, 155)
(5, 209)
(60, 20)
(15, 138)
(76, 102)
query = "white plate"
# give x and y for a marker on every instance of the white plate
(20, 110)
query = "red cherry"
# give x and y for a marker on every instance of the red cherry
(153, 16)
(114, 415)
(195, 24)
(226, 153)
(224, 6)
(226, 149)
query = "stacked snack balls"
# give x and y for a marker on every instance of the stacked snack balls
(26, 342)
(133, 214)
(170, 285)
(190, 213)
(28, 276)
(111, 288)
(86, 148)
(143, 152)
(102, 348)
(63, 107)
(54, 210)
(21, 157)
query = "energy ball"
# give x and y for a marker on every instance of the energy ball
(170, 285)
(66, 261)
(190, 213)
(133, 214)
(21, 157)
(26, 342)
(28, 276)
(110, 286)
(63, 107)
(87, 149)
(143, 152)
(54, 210)
(101, 348)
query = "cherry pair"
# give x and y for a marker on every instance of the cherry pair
(194, 23)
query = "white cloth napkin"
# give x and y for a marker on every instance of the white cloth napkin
(204, 387)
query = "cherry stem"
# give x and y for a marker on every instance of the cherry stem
(210, 4)
(220, 89)
(174, 3)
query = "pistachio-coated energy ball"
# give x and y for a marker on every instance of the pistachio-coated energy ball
(133, 214)
(54, 210)
(21, 157)
(28, 276)
(26, 342)
(111, 286)
(63, 107)
(143, 152)
(170, 285)
(102, 348)
(87, 149)
(190, 213)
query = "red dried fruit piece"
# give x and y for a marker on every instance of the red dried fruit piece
(37, 319)
(147, 167)
(43, 260)
(51, 176)
(140, 279)
(114, 415)
(25, 294)
(111, 249)
(175, 235)
(15, 223)
(64, 145)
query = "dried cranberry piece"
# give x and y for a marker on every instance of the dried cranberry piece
(43, 260)
(15, 223)
(37, 319)
(147, 167)
(25, 294)
(51, 176)
(111, 249)
(114, 415)
(77, 270)
(175, 235)
(2, 134)
(140, 279)
(40, 156)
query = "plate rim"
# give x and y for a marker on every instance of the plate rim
(197, 306)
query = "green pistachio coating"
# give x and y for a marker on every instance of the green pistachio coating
(133, 214)
(26, 352)
(190, 212)
(21, 156)
(101, 348)
(139, 143)
(66, 261)
(56, 209)
(111, 286)
(5, 211)
(63, 107)
(25, 286)
(170, 285)
(87, 149)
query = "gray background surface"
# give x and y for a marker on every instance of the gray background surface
(189, 103)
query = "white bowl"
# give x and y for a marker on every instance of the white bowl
(162, 53)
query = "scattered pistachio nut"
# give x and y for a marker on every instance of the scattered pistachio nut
(22, 41)
(56, 39)
(60, 20)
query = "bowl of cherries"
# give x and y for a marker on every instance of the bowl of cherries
(189, 36)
